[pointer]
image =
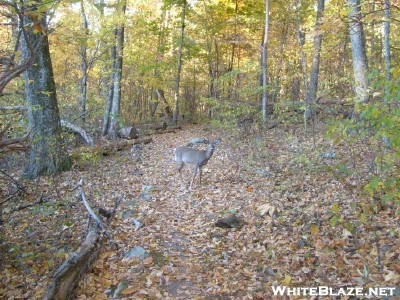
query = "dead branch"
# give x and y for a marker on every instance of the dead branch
(68, 274)
(13, 109)
(4, 130)
(76, 129)
(8, 142)
(22, 207)
(93, 215)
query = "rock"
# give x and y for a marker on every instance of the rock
(130, 132)
(146, 196)
(127, 214)
(329, 155)
(232, 221)
(136, 172)
(138, 252)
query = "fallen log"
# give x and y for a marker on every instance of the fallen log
(130, 132)
(76, 129)
(67, 276)
(141, 141)
(111, 148)
(13, 145)
(149, 128)
(168, 130)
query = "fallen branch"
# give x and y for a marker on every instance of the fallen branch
(93, 215)
(22, 207)
(128, 133)
(109, 148)
(13, 109)
(8, 142)
(153, 126)
(19, 185)
(67, 276)
(141, 141)
(168, 130)
(76, 129)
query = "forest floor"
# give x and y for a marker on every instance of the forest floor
(304, 227)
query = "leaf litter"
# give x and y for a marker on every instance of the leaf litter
(302, 227)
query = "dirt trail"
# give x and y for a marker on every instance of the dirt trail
(303, 227)
(188, 257)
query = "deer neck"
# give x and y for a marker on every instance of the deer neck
(210, 151)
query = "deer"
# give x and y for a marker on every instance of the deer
(198, 158)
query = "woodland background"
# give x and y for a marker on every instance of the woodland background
(305, 95)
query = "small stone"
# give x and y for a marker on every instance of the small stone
(231, 221)
(138, 252)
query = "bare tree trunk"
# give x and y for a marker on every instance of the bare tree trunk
(360, 64)
(317, 52)
(265, 67)
(312, 93)
(107, 111)
(386, 47)
(116, 100)
(160, 55)
(372, 39)
(84, 66)
(276, 84)
(233, 52)
(47, 154)
(178, 75)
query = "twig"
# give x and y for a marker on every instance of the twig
(93, 215)
(116, 203)
(39, 201)
(19, 186)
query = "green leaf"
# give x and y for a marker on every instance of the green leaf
(374, 182)
(335, 208)
(334, 220)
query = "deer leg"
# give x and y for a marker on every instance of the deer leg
(200, 173)
(179, 169)
(194, 176)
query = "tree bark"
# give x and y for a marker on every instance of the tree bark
(265, 66)
(160, 54)
(47, 154)
(386, 46)
(116, 99)
(11, 69)
(84, 66)
(178, 75)
(360, 64)
(76, 129)
(317, 52)
(110, 95)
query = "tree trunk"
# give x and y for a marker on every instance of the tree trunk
(360, 65)
(316, 56)
(84, 66)
(276, 85)
(110, 95)
(47, 154)
(116, 99)
(265, 67)
(386, 47)
(372, 39)
(178, 75)
(160, 55)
